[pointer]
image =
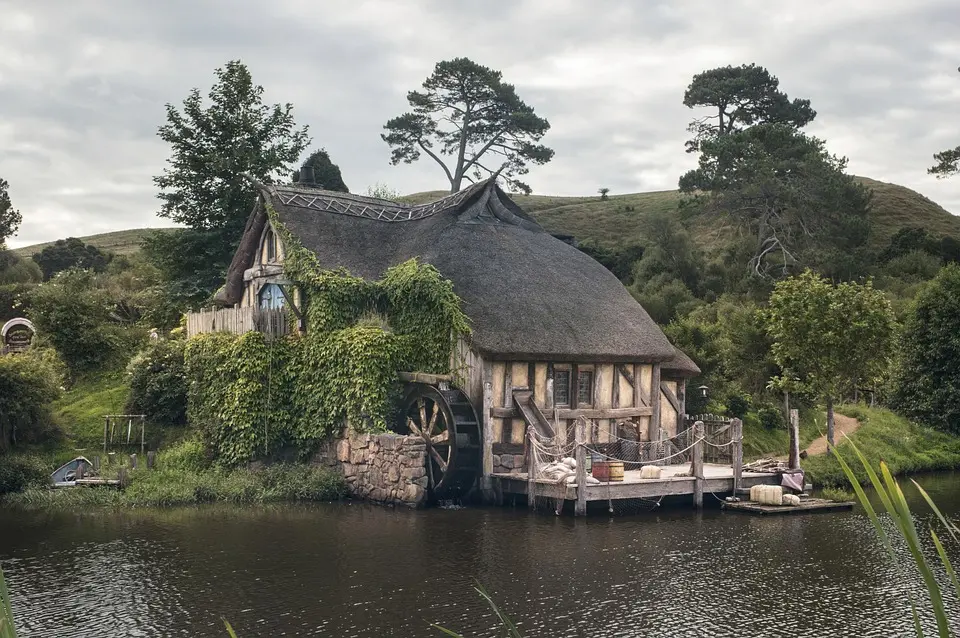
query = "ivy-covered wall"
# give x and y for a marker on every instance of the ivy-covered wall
(251, 396)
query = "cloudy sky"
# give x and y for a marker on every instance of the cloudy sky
(83, 85)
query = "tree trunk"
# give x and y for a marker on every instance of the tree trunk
(830, 421)
(794, 458)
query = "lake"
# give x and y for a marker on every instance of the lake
(364, 570)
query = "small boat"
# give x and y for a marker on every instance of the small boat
(66, 475)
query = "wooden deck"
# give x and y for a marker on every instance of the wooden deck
(807, 505)
(673, 481)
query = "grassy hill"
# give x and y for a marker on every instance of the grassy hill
(120, 242)
(622, 218)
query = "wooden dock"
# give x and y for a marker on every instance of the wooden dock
(674, 480)
(806, 506)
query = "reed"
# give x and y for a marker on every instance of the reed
(894, 503)
(6, 612)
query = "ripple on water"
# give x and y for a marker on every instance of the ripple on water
(354, 570)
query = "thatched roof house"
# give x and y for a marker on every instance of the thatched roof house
(545, 316)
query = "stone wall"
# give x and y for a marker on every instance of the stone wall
(508, 463)
(387, 468)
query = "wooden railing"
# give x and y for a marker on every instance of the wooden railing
(239, 320)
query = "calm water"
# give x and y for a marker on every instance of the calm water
(358, 570)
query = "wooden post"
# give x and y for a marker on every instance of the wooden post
(151, 459)
(106, 426)
(793, 421)
(697, 465)
(96, 464)
(133, 461)
(736, 435)
(143, 445)
(531, 470)
(655, 402)
(581, 457)
(486, 425)
(122, 477)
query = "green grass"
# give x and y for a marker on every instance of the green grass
(760, 442)
(905, 447)
(80, 411)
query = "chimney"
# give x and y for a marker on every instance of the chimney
(306, 176)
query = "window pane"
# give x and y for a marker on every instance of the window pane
(271, 297)
(271, 243)
(561, 387)
(585, 387)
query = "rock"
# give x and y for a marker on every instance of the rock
(507, 461)
(389, 441)
(422, 481)
(393, 475)
(343, 451)
(413, 494)
(349, 470)
(518, 461)
(414, 472)
(357, 457)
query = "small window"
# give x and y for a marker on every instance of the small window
(585, 387)
(561, 387)
(271, 243)
(271, 297)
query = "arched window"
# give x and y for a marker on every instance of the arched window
(270, 297)
(270, 241)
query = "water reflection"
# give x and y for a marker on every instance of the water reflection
(356, 570)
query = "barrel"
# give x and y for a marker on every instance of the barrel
(616, 470)
(601, 471)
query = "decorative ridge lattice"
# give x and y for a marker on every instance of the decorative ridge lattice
(369, 207)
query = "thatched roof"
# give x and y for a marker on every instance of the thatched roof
(680, 366)
(528, 294)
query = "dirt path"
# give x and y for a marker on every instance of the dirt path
(841, 424)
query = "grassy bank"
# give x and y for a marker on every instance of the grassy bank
(884, 436)
(760, 441)
(167, 487)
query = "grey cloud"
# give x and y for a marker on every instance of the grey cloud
(82, 89)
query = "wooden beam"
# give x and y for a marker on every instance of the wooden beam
(682, 400)
(625, 371)
(655, 425)
(574, 386)
(425, 377)
(737, 437)
(615, 400)
(671, 397)
(696, 467)
(589, 413)
(486, 429)
(548, 400)
(581, 507)
(289, 297)
(638, 398)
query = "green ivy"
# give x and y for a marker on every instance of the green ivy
(250, 396)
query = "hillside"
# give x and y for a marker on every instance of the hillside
(120, 242)
(621, 218)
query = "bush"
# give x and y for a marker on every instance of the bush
(187, 456)
(738, 405)
(29, 382)
(770, 417)
(158, 383)
(927, 380)
(18, 473)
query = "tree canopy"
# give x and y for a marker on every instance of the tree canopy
(741, 96)
(927, 380)
(326, 174)
(467, 113)
(948, 163)
(70, 253)
(827, 338)
(203, 187)
(784, 189)
(10, 217)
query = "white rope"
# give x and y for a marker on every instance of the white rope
(650, 462)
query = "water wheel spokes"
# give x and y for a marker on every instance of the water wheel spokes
(427, 419)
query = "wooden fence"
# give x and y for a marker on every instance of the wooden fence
(275, 322)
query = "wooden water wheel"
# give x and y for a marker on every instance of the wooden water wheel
(446, 421)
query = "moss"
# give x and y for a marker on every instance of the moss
(906, 447)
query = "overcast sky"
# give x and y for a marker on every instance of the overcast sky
(83, 85)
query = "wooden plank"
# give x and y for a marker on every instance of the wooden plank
(737, 451)
(574, 385)
(806, 506)
(507, 448)
(615, 400)
(589, 413)
(531, 472)
(682, 401)
(507, 385)
(424, 377)
(486, 425)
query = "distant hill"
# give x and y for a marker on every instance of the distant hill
(119, 242)
(622, 218)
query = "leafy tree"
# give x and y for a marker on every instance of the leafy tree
(620, 260)
(782, 188)
(927, 379)
(29, 382)
(467, 113)
(604, 192)
(382, 191)
(158, 383)
(73, 314)
(204, 188)
(10, 217)
(948, 163)
(909, 239)
(741, 96)
(71, 252)
(325, 173)
(827, 338)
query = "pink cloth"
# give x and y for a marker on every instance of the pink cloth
(792, 480)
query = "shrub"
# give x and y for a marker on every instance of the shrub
(187, 456)
(158, 383)
(738, 405)
(927, 380)
(21, 472)
(770, 417)
(29, 382)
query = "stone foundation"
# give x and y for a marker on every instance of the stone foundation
(387, 468)
(508, 463)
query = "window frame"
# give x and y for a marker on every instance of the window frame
(584, 372)
(568, 372)
(270, 243)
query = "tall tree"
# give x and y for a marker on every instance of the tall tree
(325, 173)
(467, 113)
(948, 163)
(927, 380)
(782, 188)
(203, 187)
(10, 217)
(70, 253)
(827, 338)
(740, 97)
